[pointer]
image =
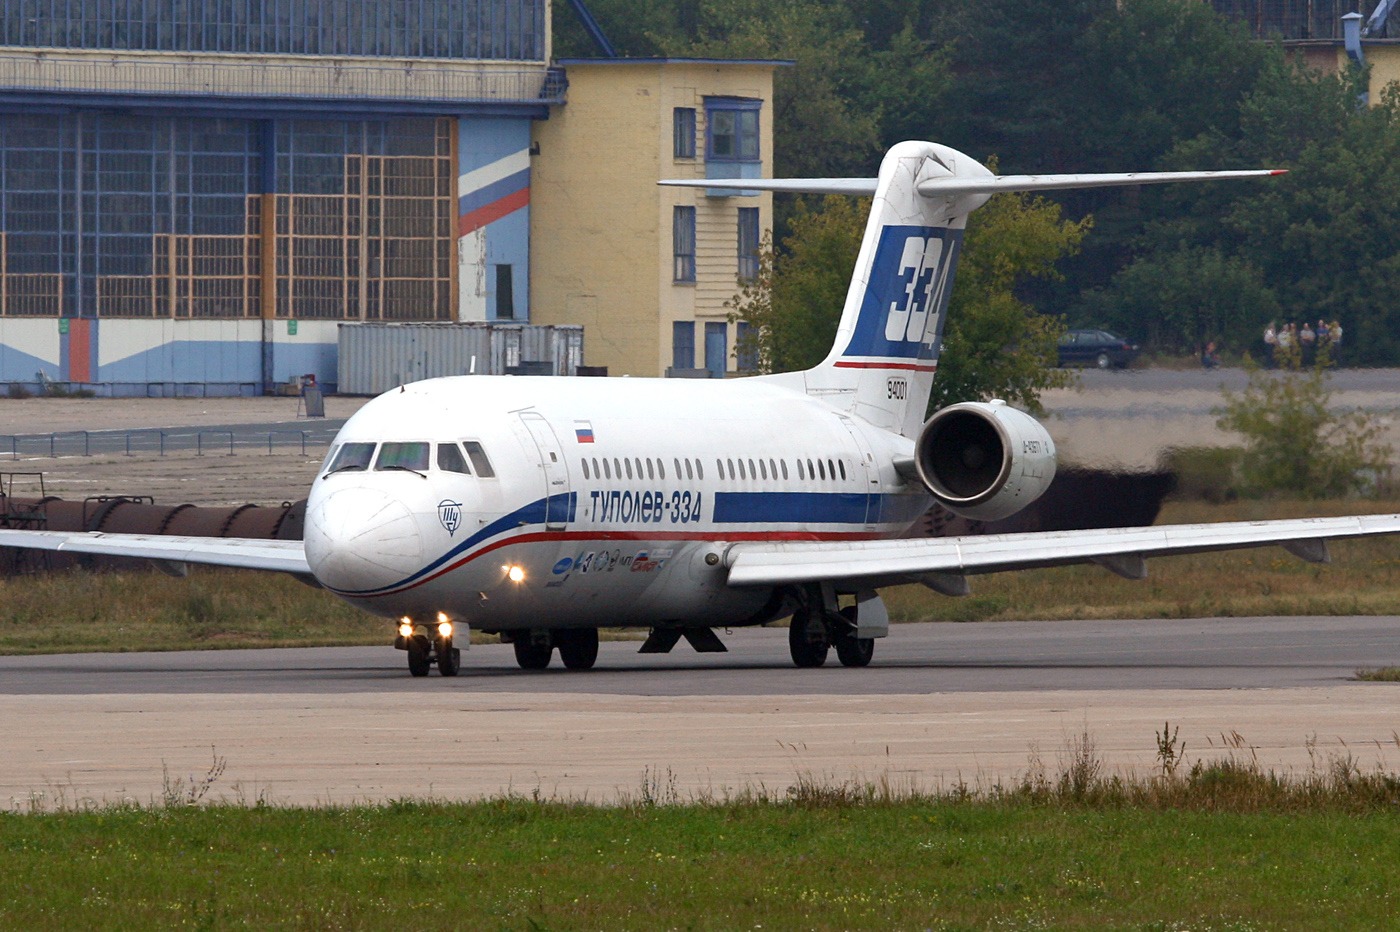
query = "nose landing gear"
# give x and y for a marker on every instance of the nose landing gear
(428, 645)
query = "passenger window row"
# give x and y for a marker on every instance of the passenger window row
(820, 470)
(653, 470)
(412, 456)
(637, 468)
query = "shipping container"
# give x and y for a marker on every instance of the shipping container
(376, 357)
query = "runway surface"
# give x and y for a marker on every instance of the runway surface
(942, 703)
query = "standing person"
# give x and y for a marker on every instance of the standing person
(1334, 335)
(1210, 359)
(1307, 343)
(1270, 343)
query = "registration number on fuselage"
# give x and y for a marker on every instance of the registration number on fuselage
(645, 507)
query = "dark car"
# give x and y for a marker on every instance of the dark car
(1096, 348)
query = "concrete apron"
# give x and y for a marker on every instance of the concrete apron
(297, 749)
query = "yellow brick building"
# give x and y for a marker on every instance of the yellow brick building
(1329, 56)
(646, 269)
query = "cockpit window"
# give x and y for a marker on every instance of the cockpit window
(450, 459)
(480, 463)
(413, 455)
(352, 456)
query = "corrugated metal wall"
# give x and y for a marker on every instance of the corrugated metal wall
(377, 357)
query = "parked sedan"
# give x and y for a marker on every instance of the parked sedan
(1096, 348)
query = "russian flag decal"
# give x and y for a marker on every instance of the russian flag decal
(583, 430)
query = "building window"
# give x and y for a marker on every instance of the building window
(745, 347)
(748, 244)
(683, 124)
(143, 216)
(683, 345)
(471, 29)
(716, 349)
(683, 239)
(731, 130)
(505, 293)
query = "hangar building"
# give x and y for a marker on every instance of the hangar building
(195, 196)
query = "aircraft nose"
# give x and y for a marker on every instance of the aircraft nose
(358, 539)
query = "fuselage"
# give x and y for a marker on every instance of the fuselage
(518, 502)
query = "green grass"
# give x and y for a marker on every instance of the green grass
(1380, 675)
(126, 611)
(82, 611)
(807, 862)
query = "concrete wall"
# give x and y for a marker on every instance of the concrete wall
(164, 357)
(600, 226)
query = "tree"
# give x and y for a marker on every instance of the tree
(794, 305)
(1180, 299)
(994, 343)
(819, 129)
(1294, 443)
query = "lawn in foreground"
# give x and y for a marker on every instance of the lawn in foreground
(523, 864)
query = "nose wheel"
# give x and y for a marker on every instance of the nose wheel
(429, 647)
(419, 656)
(449, 658)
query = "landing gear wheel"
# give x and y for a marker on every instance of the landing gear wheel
(532, 656)
(1103, 362)
(807, 640)
(418, 662)
(449, 658)
(578, 647)
(851, 650)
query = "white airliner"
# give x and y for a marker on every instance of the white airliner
(544, 509)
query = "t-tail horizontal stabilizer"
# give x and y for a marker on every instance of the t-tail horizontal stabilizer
(882, 363)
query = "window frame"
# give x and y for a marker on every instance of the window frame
(481, 462)
(456, 448)
(748, 225)
(683, 243)
(683, 128)
(743, 110)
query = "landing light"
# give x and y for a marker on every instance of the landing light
(405, 628)
(515, 574)
(444, 629)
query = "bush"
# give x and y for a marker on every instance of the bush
(1294, 442)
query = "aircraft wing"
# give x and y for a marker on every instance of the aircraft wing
(941, 562)
(283, 556)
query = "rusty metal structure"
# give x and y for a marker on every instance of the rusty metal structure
(131, 514)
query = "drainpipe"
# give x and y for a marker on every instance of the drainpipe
(1351, 41)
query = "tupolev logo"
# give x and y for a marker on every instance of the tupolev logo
(450, 514)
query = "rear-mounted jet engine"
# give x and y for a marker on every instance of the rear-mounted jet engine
(984, 461)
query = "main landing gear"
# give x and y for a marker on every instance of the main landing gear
(428, 645)
(814, 630)
(578, 647)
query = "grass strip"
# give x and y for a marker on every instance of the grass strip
(801, 863)
(1380, 675)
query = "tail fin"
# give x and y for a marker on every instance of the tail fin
(886, 347)
(882, 363)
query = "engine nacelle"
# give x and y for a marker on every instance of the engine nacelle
(984, 461)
